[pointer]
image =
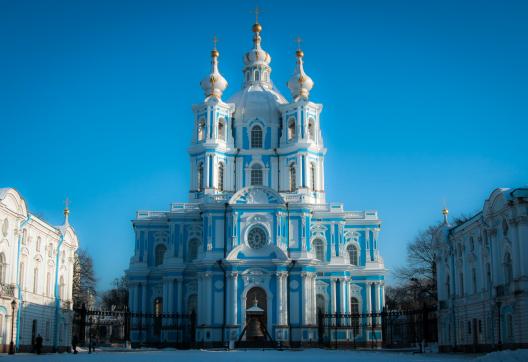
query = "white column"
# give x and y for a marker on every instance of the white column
(333, 308)
(314, 299)
(343, 284)
(234, 294)
(280, 301)
(368, 301)
(284, 293)
(377, 301)
(305, 278)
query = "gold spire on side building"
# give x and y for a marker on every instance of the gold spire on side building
(445, 212)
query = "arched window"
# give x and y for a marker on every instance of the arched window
(194, 244)
(37, 245)
(201, 130)
(311, 129)
(62, 286)
(199, 177)
(265, 76)
(291, 129)
(221, 176)
(472, 243)
(293, 176)
(24, 237)
(3, 268)
(257, 75)
(353, 255)
(5, 227)
(312, 175)
(256, 137)
(508, 272)
(318, 246)
(221, 129)
(256, 175)
(160, 254)
(50, 250)
(35, 280)
(448, 286)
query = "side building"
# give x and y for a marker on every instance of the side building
(36, 275)
(482, 276)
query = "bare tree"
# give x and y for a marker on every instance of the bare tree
(84, 280)
(417, 279)
(117, 297)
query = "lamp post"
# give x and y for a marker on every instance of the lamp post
(12, 344)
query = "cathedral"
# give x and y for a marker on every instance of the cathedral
(257, 253)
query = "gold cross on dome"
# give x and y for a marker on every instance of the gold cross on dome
(257, 12)
(215, 40)
(298, 40)
(67, 203)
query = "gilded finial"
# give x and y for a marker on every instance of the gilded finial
(299, 52)
(214, 52)
(66, 207)
(445, 212)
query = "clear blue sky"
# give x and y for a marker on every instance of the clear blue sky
(423, 101)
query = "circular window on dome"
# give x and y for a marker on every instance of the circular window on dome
(257, 237)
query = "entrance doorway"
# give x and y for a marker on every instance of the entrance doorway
(256, 314)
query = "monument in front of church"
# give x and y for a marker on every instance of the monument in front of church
(257, 253)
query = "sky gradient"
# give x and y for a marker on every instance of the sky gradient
(425, 102)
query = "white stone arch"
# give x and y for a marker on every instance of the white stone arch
(257, 277)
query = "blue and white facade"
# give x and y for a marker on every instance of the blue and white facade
(257, 225)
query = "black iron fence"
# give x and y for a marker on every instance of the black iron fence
(388, 329)
(119, 327)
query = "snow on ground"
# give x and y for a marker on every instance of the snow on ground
(520, 355)
(308, 355)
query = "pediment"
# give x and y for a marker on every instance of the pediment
(255, 195)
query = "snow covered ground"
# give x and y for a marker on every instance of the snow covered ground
(308, 355)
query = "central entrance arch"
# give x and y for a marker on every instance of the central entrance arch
(256, 314)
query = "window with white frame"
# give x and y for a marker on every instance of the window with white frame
(221, 129)
(201, 130)
(160, 254)
(311, 129)
(291, 129)
(199, 176)
(318, 246)
(256, 137)
(352, 254)
(257, 177)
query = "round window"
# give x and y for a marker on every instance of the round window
(257, 238)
